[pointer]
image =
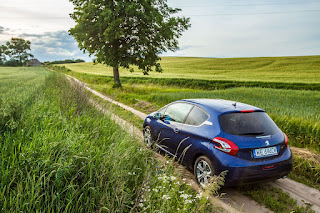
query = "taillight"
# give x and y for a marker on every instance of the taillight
(285, 139)
(226, 146)
(245, 111)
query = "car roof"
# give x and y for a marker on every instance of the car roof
(221, 106)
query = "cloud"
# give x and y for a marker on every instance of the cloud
(54, 46)
(3, 30)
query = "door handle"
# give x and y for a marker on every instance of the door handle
(176, 130)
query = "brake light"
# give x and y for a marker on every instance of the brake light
(226, 146)
(268, 167)
(285, 139)
(251, 110)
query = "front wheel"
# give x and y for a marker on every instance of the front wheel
(203, 170)
(147, 136)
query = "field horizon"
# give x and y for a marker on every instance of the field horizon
(292, 69)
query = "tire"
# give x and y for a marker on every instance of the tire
(147, 136)
(203, 170)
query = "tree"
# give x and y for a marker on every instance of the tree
(17, 49)
(122, 33)
(3, 49)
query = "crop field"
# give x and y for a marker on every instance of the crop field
(274, 69)
(58, 153)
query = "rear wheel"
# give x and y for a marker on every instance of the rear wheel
(203, 170)
(147, 136)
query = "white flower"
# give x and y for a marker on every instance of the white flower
(185, 196)
(199, 196)
(166, 197)
(173, 178)
(155, 190)
(187, 201)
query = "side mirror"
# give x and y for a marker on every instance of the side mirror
(157, 115)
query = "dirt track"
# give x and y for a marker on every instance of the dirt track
(233, 201)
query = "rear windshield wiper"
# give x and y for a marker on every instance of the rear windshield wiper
(251, 133)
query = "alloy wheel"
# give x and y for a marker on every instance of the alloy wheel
(203, 172)
(147, 136)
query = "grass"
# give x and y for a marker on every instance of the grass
(274, 69)
(64, 155)
(17, 86)
(306, 171)
(273, 198)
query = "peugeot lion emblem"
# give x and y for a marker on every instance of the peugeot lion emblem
(267, 143)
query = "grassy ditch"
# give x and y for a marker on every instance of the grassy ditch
(64, 155)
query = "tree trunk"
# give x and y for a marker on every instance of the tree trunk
(116, 77)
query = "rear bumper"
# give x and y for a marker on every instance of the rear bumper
(254, 172)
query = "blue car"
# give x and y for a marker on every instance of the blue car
(210, 136)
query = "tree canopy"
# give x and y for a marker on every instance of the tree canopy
(122, 33)
(17, 49)
(3, 49)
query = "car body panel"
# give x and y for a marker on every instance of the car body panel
(191, 142)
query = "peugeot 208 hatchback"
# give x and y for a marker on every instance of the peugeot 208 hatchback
(211, 136)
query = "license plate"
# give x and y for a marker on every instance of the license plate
(264, 152)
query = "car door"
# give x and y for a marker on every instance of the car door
(169, 129)
(193, 130)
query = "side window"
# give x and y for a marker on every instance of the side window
(177, 112)
(196, 117)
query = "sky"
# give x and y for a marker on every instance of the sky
(222, 29)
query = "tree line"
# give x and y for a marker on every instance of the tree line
(15, 52)
(66, 61)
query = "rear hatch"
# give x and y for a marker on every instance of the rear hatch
(256, 135)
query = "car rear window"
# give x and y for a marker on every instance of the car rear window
(248, 124)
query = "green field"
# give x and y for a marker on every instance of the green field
(274, 69)
(59, 154)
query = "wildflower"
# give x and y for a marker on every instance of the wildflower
(199, 196)
(173, 178)
(133, 173)
(185, 196)
(166, 197)
(140, 204)
(155, 190)
(187, 201)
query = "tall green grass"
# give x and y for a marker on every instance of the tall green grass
(17, 88)
(64, 155)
